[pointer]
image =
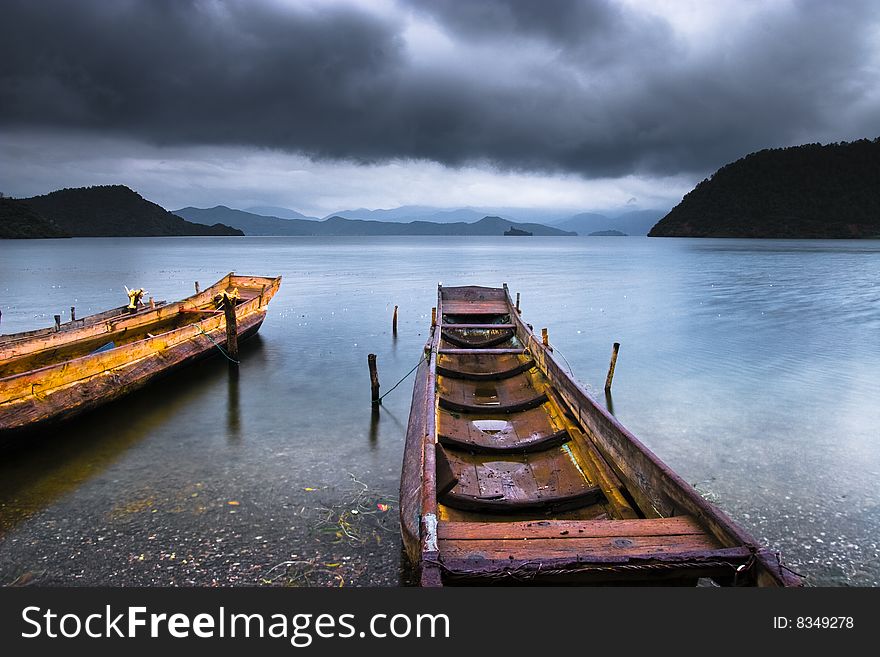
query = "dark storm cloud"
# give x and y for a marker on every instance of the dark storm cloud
(585, 87)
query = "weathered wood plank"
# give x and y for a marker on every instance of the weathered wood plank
(566, 529)
(476, 342)
(488, 327)
(590, 568)
(601, 547)
(492, 352)
(487, 307)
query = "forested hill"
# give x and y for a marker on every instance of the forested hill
(809, 191)
(114, 211)
(18, 221)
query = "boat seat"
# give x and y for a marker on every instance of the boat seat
(482, 367)
(529, 431)
(510, 407)
(477, 342)
(506, 396)
(545, 482)
(475, 307)
(496, 375)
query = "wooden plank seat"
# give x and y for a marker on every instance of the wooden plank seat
(463, 325)
(486, 376)
(506, 396)
(504, 351)
(656, 544)
(545, 482)
(482, 367)
(529, 431)
(479, 307)
(477, 341)
(509, 407)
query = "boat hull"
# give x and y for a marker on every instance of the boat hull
(513, 474)
(36, 400)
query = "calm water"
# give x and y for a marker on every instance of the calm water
(751, 367)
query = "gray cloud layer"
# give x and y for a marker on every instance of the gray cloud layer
(586, 87)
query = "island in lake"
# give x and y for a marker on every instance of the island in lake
(810, 191)
(607, 233)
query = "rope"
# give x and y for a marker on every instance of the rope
(402, 380)
(222, 351)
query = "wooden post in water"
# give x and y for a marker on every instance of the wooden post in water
(433, 317)
(57, 322)
(394, 322)
(545, 337)
(517, 303)
(231, 328)
(152, 303)
(73, 313)
(610, 376)
(374, 379)
(197, 287)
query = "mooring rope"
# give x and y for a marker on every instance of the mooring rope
(402, 380)
(222, 351)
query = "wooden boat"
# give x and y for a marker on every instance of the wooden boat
(49, 375)
(72, 325)
(512, 473)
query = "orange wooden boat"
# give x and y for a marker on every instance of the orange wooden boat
(512, 473)
(49, 375)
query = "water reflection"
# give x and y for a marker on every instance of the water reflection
(609, 402)
(233, 410)
(375, 413)
(44, 466)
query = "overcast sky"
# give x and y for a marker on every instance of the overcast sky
(320, 105)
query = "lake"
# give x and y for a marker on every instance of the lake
(752, 368)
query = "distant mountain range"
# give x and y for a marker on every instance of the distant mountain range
(103, 211)
(809, 191)
(634, 222)
(410, 213)
(254, 224)
(637, 222)
(117, 211)
(275, 211)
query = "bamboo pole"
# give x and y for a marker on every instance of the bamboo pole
(374, 379)
(73, 313)
(611, 367)
(394, 322)
(433, 317)
(517, 303)
(57, 322)
(545, 337)
(197, 287)
(231, 328)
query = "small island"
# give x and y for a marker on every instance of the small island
(517, 232)
(607, 233)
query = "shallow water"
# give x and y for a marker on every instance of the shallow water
(751, 367)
